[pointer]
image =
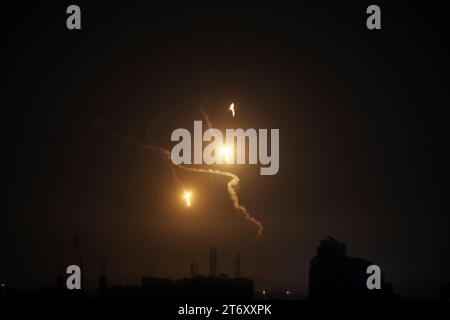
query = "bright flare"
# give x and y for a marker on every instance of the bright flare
(187, 197)
(232, 109)
(226, 153)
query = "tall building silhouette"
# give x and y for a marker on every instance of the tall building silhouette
(335, 276)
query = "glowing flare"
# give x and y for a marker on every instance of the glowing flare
(187, 197)
(232, 109)
(226, 153)
(232, 184)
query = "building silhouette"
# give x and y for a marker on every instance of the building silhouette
(205, 288)
(335, 276)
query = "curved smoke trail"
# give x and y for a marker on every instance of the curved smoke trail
(207, 119)
(232, 184)
(231, 187)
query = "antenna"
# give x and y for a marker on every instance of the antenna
(193, 269)
(103, 268)
(103, 280)
(77, 244)
(213, 262)
(150, 270)
(238, 265)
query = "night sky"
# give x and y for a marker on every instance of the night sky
(363, 118)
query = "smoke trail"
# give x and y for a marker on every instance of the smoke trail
(207, 119)
(231, 187)
(232, 184)
(163, 152)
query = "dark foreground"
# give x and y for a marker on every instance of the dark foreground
(257, 309)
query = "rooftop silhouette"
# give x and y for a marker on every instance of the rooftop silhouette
(333, 275)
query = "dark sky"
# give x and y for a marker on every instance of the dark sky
(363, 118)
